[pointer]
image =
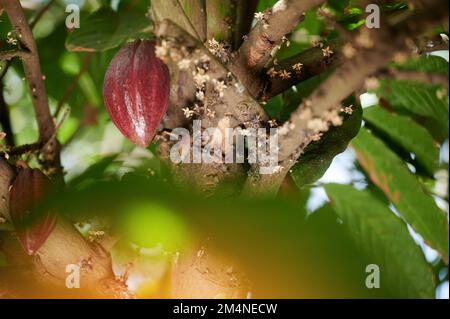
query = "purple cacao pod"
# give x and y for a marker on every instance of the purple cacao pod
(136, 91)
(27, 190)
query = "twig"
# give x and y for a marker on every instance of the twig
(9, 55)
(73, 84)
(41, 13)
(57, 126)
(25, 148)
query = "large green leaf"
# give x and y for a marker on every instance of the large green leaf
(406, 133)
(428, 103)
(385, 240)
(391, 175)
(106, 29)
(318, 156)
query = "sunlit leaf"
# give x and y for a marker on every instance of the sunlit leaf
(428, 103)
(385, 240)
(391, 175)
(408, 134)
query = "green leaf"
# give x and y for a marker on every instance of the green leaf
(106, 29)
(420, 100)
(406, 133)
(318, 155)
(93, 172)
(385, 240)
(173, 10)
(391, 175)
(426, 63)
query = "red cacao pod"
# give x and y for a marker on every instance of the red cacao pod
(27, 190)
(136, 91)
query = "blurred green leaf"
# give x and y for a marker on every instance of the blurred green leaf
(318, 156)
(70, 63)
(68, 127)
(391, 175)
(385, 240)
(426, 63)
(407, 134)
(421, 100)
(106, 29)
(94, 172)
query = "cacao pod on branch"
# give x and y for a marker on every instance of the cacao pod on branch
(28, 189)
(136, 91)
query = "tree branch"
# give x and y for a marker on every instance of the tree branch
(310, 63)
(255, 52)
(33, 74)
(376, 48)
(73, 84)
(40, 13)
(32, 24)
(9, 55)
